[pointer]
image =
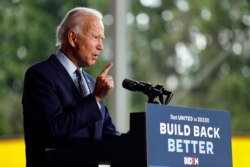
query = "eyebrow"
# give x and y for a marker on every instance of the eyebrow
(97, 34)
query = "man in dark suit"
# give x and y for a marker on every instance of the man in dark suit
(56, 111)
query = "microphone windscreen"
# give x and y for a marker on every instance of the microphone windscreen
(129, 84)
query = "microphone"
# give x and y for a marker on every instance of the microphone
(140, 86)
(133, 85)
(151, 91)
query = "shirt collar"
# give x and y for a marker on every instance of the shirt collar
(67, 63)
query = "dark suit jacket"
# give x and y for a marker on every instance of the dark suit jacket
(54, 113)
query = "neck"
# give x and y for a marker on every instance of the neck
(69, 53)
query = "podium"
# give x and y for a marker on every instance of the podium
(128, 150)
(163, 136)
(181, 137)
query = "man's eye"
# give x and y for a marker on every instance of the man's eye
(96, 37)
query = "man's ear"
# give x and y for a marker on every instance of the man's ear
(72, 38)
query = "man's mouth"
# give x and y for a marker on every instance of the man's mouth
(95, 56)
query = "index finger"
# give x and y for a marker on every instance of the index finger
(106, 70)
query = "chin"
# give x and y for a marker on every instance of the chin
(91, 64)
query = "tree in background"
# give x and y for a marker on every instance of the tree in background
(197, 49)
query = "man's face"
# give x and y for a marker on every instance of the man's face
(89, 42)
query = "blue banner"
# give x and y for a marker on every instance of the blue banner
(182, 137)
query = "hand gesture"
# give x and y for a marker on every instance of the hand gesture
(104, 83)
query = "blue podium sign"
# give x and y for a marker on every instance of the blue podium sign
(182, 137)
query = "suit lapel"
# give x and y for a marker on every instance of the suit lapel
(63, 75)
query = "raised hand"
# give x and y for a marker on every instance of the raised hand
(104, 83)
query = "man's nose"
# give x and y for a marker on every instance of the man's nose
(100, 45)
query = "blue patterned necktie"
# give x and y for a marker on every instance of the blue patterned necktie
(81, 86)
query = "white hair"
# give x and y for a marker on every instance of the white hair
(73, 19)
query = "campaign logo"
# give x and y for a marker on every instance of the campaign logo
(191, 161)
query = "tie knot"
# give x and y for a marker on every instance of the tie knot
(78, 73)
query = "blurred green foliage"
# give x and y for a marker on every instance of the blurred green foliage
(197, 49)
